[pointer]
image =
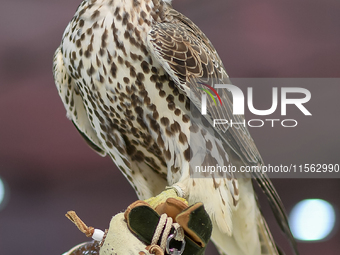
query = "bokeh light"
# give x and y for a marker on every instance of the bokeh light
(2, 193)
(312, 220)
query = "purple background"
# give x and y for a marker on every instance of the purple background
(50, 170)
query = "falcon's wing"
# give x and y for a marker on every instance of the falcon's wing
(189, 57)
(73, 103)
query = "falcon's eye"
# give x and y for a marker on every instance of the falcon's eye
(312, 220)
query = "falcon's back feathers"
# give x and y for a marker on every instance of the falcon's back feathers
(128, 73)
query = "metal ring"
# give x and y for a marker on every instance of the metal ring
(174, 251)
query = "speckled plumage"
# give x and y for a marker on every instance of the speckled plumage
(127, 73)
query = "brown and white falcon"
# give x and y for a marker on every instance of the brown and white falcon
(128, 73)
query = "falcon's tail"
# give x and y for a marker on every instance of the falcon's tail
(268, 246)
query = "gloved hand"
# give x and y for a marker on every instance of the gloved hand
(171, 228)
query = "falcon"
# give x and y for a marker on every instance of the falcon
(130, 73)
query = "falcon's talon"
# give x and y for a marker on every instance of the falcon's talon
(180, 191)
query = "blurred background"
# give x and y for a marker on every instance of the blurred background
(47, 169)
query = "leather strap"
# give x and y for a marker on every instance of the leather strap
(142, 220)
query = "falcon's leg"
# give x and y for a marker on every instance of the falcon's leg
(170, 192)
